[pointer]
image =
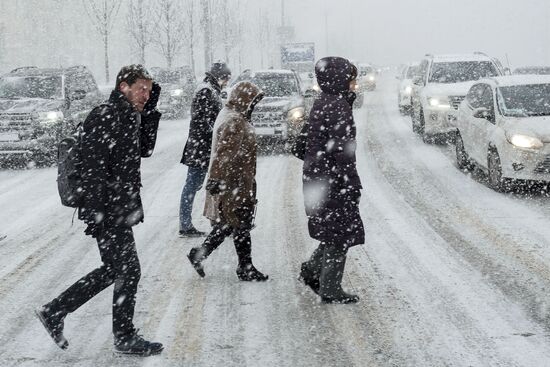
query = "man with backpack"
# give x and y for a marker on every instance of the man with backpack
(113, 139)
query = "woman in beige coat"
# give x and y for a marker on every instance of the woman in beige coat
(231, 185)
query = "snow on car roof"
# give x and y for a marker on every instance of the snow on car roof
(461, 57)
(511, 80)
(273, 71)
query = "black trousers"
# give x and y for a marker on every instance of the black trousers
(121, 267)
(241, 240)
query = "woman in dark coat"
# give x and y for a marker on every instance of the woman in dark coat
(331, 183)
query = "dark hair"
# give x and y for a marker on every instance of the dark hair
(130, 74)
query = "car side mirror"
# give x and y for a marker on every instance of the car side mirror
(310, 75)
(223, 94)
(77, 95)
(418, 80)
(483, 113)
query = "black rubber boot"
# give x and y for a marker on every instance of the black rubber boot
(135, 344)
(54, 326)
(308, 278)
(196, 261)
(250, 274)
(334, 262)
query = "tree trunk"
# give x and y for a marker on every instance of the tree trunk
(106, 44)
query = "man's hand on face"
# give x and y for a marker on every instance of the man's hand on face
(152, 102)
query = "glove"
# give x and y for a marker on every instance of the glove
(94, 230)
(214, 187)
(151, 104)
(350, 97)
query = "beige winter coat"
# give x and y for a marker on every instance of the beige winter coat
(233, 158)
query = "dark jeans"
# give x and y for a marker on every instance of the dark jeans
(241, 240)
(121, 267)
(193, 183)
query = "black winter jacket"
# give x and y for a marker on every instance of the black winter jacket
(205, 108)
(331, 182)
(114, 138)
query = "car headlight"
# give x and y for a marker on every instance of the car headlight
(50, 117)
(316, 88)
(439, 102)
(176, 92)
(525, 141)
(296, 114)
(408, 89)
(371, 78)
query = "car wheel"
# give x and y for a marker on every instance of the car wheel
(462, 159)
(494, 168)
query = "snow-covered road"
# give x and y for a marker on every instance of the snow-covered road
(453, 274)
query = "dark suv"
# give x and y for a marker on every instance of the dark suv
(178, 86)
(281, 114)
(38, 107)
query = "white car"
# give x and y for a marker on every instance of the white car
(504, 128)
(404, 101)
(442, 83)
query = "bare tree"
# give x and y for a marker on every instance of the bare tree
(2, 44)
(102, 13)
(206, 25)
(140, 23)
(170, 35)
(190, 32)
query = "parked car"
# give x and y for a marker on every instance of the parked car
(178, 86)
(281, 114)
(38, 107)
(504, 128)
(367, 76)
(404, 101)
(440, 87)
(536, 70)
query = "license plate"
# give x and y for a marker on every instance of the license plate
(265, 131)
(9, 137)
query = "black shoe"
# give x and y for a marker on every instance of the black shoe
(191, 232)
(342, 298)
(193, 258)
(307, 277)
(136, 345)
(54, 326)
(250, 274)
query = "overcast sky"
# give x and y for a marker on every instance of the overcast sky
(395, 31)
(384, 32)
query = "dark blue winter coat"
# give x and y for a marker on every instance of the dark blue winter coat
(331, 183)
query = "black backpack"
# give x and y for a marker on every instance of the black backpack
(69, 177)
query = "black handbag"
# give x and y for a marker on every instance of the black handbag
(299, 147)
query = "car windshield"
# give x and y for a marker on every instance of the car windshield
(276, 85)
(533, 70)
(411, 72)
(45, 87)
(457, 72)
(524, 100)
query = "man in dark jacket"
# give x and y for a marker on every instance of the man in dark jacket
(114, 138)
(331, 183)
(205, 108)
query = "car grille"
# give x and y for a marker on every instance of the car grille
(268, 118)
(15, 121)
(456, 101)
(544, 166)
